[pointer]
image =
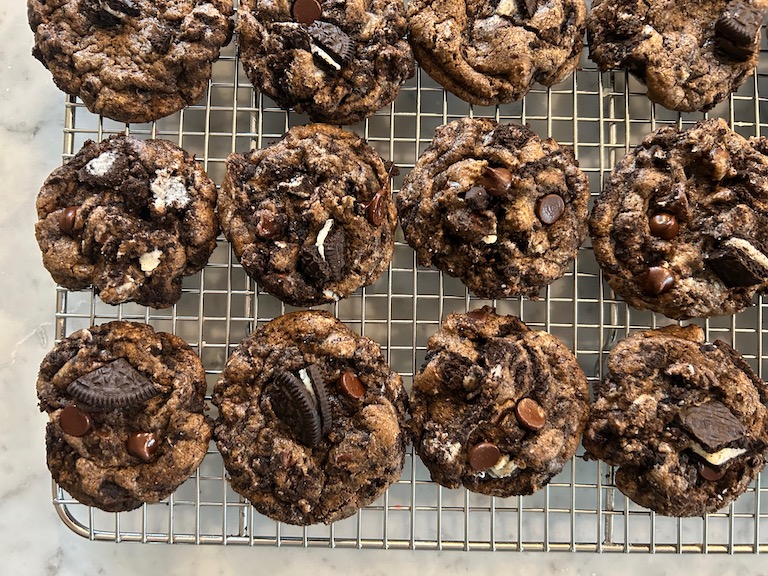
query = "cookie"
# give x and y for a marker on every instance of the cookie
(681, 224)
(337, 62)
(128, 217)
(311, 422)
(311, 218)
(496, 206)
(131, 60)
(690, 54)
(492, 52)
(125, 407)
(683, 420)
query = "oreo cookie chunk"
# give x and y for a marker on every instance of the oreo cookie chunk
(680, 226)
(497, 407)
(131, 60)
(493, 52)
(690, 54)
(311, 217)
(128, 217)
(311, 422)
(337, 62)
(125, 407)
(496, 206)
(684, 421)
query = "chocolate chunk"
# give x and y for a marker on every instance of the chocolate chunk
(334, 246)
(306, 11)
(376, 209)
(74, 421)
(293, 404)
(664, 225)
(324, 405)
(333, 40)
(267, 226)
(496, 181)
(483, 456)
(114, 385)
(530, 414)
(477, 198)
(550, 208)
(656, 280)
(736, 265)
(67, 221)
(161, 39)
(530, 7)
(313, 266)
(143, 445)
(737, 30)
(713, 425)
(351, 386)
(710, 473)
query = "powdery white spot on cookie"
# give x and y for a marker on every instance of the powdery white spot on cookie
(496, 371)
(169, 190)
(100, 165)
(322, 235)
(150, 260)
(340, 346)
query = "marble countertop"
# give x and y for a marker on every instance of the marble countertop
(33, 541)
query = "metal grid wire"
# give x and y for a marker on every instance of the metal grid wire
(601, 116)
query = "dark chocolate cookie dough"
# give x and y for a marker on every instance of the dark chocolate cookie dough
(496, 206)
(129, 217)
(497, 407)
(681, 226)
(311, 217)
(311, 420)
(131, 60)
(125, 407)
(691, 54)
(492, 51)
(338, 62)
(684, 421)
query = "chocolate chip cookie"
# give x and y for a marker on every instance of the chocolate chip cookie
(496, 206)
(497, 407)
(690, 54)
(125, 407)
(128, 217)
(684, 420)
(131, 60)
(311, 422)
(490, 52)
(337, 62)
(681, 224)
(311, 217)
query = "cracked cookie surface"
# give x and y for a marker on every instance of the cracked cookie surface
(493, 51)
(682, 419)
(680, 226)
(312, 421)
(495, 205)
(131, 60)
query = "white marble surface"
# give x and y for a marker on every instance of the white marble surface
(33, 541)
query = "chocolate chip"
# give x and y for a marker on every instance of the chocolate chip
(143, 445)
(74, 421)
(710, 473)
(713, 425)
(664, 225)
(334, 41)
(483, 456)
(737, 30)
(550, 208)
(324, 405)
(293, 404)
(306, 11)
(376, 209)
(530, 7)
(267, 226)
(736, 265)
(496, 181)
(114, 385)
(351, 386)
(530, 414)
(67, 220)
(477, 198)
(656, 280)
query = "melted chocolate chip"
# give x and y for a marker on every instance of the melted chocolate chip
(664, 225)
(530, 414)
(710, 473)
(656, 280)
(483, 456)
(114, 385)
(351, 386)
(376, 209)
(293, 404)
(267, 226)
(496, 181)
(324, 405)
(550, 208)
(713, 425)
(477, 198)
(74, 421)
(306, 11)
(67, 221)
(143, 445)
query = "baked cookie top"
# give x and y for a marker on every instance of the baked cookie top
(490, 52)
(311, 217)
(338, 62)
(131, 60)
(684, 420)
(125, 407)
(128, 217)
(681, 225)
(312, 420)
(497, 407)
(496, 206)
(690, 54)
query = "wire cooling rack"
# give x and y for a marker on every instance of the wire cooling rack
(601, 115)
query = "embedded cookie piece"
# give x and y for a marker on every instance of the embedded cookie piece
(680, 225)
(338, 62)
(690, 54)
(131, 60)
(312, 421)
(125, 407)
(492, 52)
(497, 407)
(311, 217)
(496, 206)
(684, 421)
(128, 217)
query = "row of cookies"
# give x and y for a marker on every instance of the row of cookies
(339, 62)
(313, 424)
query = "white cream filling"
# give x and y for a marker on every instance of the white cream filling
(507, 8)
(322, 235)
(504, 467)
(169, 191)
(324, 56)
(717, 458)
(308, 384)
(331, 294)
(490, 239)
(100, 165)
(150, 260)
(496, 371)
(751, 251)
